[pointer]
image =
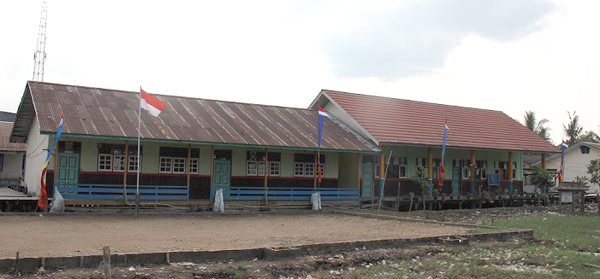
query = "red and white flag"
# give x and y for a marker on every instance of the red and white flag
(151, 103)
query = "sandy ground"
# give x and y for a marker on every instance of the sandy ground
(86, 233)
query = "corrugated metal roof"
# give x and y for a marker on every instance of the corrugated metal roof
(5, 145)
(113, 113)
(398, 121)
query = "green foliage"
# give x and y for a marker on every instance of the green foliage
(529, 121)
(240, 272)
(572, 129)
(420, 178)
(583, 180)
(588, 136)
(593, 169)
(542, 177)
(575, 232)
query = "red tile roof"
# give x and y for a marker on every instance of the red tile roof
(398, 121)
(5, 145)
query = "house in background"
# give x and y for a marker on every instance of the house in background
(12, 155)
(577, 158)
(480, 142)
(194, 147)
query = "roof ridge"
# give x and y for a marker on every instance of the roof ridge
(175, 96)
(408, 100)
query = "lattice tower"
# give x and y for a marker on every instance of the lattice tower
(39, 57)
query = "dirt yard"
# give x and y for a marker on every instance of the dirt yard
(74, 234)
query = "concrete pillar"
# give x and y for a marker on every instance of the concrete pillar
(430, 170)
(510, 173)
(381, 173)
(472, 176)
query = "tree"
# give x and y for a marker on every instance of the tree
(588, 136)
(421, 180)
(541, 177)
(583, 180)
(594, 171)
(572, 130)
(529, 121)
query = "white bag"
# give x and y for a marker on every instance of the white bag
(219, 205)
(58, 203)
(315, 200)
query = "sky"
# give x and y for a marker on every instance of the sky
(507, 55)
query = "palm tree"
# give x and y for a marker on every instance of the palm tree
(530, 122)
(572, 130)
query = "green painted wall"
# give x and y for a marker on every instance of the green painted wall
(151, 161)
(348, 170)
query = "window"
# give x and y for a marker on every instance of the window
(421, 162)
(1, 162)
(309, 169)
(178, 165)
(436, 168)
(274, 168)
(166, 165)
(255, 163)
(585, 149)
(501, 168)
(111, 157)
(322, 170)
(401, 167)
(514, 174)
(298, 169)
(118, 163)
(104, 162)
(251, 168)
(194, 164)
(464, 166)
(481, 169)
(304, 165)
(133, 161)
(397, 169)
(175, 159)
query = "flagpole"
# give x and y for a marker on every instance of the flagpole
(137, 184)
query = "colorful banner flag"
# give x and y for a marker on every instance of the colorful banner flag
(442, 168)
(43, 200)
(151, 103)
(564, 146)
(322, 113)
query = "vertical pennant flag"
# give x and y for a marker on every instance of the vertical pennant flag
(442, 168)
(151, 103)
(564, 146)
(43, 200)
(322, 113)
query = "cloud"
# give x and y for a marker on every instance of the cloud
(415, 37)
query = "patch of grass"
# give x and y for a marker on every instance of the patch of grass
(575, 232)
(509, 261)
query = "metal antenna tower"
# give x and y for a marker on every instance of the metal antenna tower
(39, 57)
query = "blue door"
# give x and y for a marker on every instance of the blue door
(68, 170)
(221, 176)
(367, 180)
(456, 182)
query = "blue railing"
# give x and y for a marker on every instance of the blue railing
(117, 192)
(287, 194)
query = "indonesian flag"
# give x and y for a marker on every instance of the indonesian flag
(322, 113)
(564, 146)
(43, 199)
(442, 168)
(151, 103)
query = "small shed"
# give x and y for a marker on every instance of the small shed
(573, 193)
